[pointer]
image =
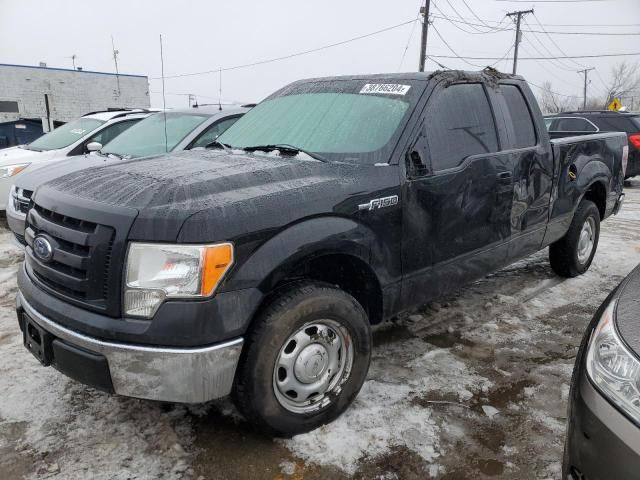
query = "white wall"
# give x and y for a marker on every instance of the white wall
(71, 93)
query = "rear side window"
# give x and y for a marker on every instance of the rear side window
(574, 125)
(525, 132)
(459, 123)
(621, 123)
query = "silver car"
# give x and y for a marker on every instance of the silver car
(185, 130)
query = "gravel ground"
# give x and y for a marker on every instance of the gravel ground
(472, 386)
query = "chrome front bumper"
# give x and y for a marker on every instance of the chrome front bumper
(185, 375)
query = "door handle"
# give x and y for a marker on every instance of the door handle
(505, 178)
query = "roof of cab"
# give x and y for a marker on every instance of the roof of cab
(490, 72)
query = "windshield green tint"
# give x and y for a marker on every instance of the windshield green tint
(341, 125)
(147, 137)
(66, 134)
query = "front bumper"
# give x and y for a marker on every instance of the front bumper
(16, 220)
(186, 375)
(598, 431)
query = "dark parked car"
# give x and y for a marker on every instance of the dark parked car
(258, 268)
(587, 122)
(603, 436)
(20, 132)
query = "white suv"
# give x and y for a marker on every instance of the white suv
(65, 141)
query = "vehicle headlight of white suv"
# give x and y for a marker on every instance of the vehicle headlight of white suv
(11, 170)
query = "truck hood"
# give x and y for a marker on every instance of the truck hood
(228, 193)
(32, 179)
(13, 155)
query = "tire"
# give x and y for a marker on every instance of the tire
(568, 256)
(283, 335)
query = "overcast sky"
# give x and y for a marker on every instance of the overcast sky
(206, 35)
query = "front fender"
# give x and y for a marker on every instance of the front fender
(279, 255)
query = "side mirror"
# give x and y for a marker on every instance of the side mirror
(94, 146)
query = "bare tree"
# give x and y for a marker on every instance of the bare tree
(625, 81)
(552, 102)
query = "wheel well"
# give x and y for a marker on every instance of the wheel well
(597, 193)
(349, 273)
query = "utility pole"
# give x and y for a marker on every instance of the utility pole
(518, 16)
(115, 60)
(425, 27)
(584, 98)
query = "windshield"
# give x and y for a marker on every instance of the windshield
(344, 120)
(66, 134)
(147, 137)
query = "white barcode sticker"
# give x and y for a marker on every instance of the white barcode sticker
(386, 88)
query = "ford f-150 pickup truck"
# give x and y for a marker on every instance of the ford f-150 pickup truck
(258, 268)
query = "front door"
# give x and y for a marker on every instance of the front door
(457, 207)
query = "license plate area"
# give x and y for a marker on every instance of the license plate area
(37, 341)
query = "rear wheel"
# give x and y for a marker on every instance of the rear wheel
(572, 254)
(304, 360)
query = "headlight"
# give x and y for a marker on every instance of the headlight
(11, 170)
(612, 367)
(156, 272)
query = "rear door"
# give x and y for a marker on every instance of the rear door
(531, 158)
(456, 205)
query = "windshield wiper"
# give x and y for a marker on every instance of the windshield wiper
(285, 147)
(108, 154)
(217, 144)
(29, 147)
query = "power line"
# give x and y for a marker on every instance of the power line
(463, 58)
(455, 24)
(456, 12)
(404, 53)
(560, 64)
(550, 71)
(292, 55)
(546, 58)
(452, 50)
(474, 14)
(549, 1)
(551, 91)
(466, 22)
(553, 41)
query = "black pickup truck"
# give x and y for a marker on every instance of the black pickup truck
(258, 268)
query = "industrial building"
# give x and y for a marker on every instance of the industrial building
(56, 95)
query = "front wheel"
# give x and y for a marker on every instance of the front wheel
(304, 361)
(572, 254)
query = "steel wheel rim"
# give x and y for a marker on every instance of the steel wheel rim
(312, 366)
(586, 240)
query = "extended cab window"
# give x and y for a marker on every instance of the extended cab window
(345, 120)
(524, 130)
(459, 123)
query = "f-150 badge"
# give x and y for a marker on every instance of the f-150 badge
(379, 203)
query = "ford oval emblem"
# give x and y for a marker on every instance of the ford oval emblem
(42, 249)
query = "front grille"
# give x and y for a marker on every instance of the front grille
(81, 256)
(21, 200)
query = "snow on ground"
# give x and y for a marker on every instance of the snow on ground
(471, 386)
